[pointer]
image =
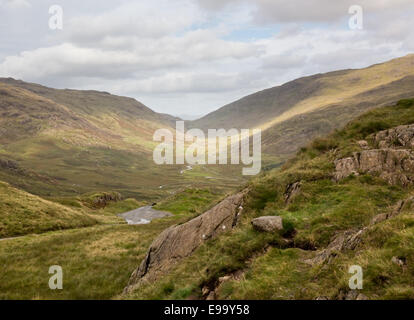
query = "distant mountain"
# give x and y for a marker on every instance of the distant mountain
(65, 142)
(82, 117)
(188, 116)
(292, 114)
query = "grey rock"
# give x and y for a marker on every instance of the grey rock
(393, 161)
(292, 191)
(401, 261)
(180, 241)
(363, 144)
(351, 239)
(268, 223)
(401, 136)
(211, 296)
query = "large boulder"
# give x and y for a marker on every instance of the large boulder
(268, 223)
(180, 241)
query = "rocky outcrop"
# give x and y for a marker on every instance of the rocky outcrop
(292, 190)
(398, 137)
(393, 161)
(268, 223)
(394, 166)
(101, 200)
(349, 240)
(9, 164)
(180, 241)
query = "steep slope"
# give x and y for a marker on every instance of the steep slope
(330, 222)
(338, 95)
(23, 213)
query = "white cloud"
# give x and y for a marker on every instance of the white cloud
(192, 56)
(142, 19)
(15, 4)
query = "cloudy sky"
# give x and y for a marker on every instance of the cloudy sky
(193, 56)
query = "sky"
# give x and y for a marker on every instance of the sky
(190, 57)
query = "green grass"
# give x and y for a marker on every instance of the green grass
(22, 213)
(189, 201)
(271, 268)
(96, 261)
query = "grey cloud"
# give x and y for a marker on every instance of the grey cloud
(299, 11)
(283, 61)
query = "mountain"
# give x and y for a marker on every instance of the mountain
(87, 117)
(56, 142)
(292, 114)
(67, 142)
(345, 199)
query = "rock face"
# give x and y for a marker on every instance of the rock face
(180, 241)
(268, 223)
(401, 136)
(393, 161)
(363, 144)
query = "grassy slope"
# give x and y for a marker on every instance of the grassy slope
(96, 261)
(296, 112)
(22, 213)
(323, 208)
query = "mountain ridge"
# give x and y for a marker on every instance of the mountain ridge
(344, 94)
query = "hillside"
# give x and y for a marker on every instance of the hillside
(292, 114)
(346, 199)
(68, 142)
(97, 260)
(23, 213)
